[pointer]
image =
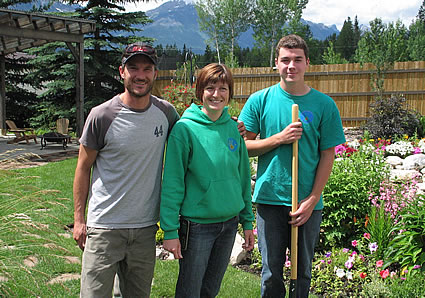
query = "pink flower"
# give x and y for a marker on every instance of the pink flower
(384, 273)
(379, 263)
(254, 231)
(416, 266)
(354, 243)
(362, 257)
(366, 235)
(349, 264)
(288, 264)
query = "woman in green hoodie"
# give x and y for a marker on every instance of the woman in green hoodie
(206, 187)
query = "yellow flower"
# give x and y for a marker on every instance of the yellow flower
(406, 137)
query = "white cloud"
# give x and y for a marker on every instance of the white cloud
(335, 12)
(144, 6)
(331, 12)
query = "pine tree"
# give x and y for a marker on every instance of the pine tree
(345, 43)
(55, 66)
(421, 13)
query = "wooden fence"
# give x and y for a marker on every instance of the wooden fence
(348, 84)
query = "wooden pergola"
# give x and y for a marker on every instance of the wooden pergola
(22, 30)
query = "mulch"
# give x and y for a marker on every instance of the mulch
(34, 160)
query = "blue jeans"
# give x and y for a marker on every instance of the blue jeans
(206, 259)
(274, 237)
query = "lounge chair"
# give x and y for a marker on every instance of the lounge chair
(21, 134)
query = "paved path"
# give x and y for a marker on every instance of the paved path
(33, 151)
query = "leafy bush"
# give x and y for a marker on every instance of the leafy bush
(407, 248)
(345, 196)
(180, 96)
(391, 117)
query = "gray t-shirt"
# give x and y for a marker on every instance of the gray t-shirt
(126, 177)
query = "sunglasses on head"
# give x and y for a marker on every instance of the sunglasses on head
(137, 48)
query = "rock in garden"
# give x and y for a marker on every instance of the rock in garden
(238, 253)
(394, 160)
(415, 161)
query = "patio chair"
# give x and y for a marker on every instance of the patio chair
(62, 127)
(21, 134)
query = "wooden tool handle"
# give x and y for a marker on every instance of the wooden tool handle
(294, 230)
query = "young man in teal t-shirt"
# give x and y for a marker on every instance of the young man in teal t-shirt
(268, 113)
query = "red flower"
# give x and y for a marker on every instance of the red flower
(363, 275)
(384, 273)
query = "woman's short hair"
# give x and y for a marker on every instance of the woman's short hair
(211, 74)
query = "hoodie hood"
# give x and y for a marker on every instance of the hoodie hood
(194, 113)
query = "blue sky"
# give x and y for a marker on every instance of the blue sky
(330, 12)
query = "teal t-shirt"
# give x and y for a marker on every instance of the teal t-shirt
(268, 112)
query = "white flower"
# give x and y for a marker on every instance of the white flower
(355, 144)
(340, 273)
(367, 148)
(349, 275)
(421, 145)
(401, 148)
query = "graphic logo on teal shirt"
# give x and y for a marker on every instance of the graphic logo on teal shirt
(233, 145)
(307, 117)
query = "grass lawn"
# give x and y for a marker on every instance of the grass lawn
(37, 249)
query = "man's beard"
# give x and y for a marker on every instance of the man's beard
(130, 89)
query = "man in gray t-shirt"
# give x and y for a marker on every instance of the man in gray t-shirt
(119, 175)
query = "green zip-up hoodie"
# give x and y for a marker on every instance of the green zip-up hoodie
(207, 177)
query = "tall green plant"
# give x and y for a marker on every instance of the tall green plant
(407, 248)
(379, 227)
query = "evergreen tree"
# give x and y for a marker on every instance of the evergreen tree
(421, 12)
(357, 34)
(20, 94)
(345, 43)
(55, 66)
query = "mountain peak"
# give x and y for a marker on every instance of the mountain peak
(176, 22)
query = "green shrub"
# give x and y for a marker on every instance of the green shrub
(345, 196)
(412, 286)
(375, 288)
(391, 117)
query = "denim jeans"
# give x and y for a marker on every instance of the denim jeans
(274, 237)
(206, 259)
